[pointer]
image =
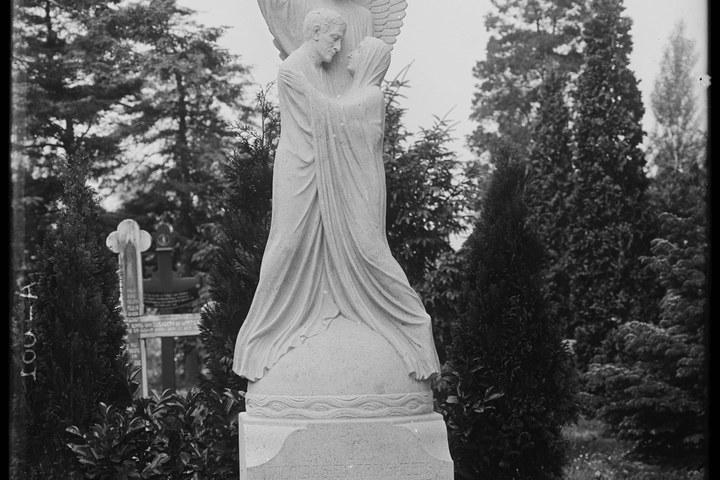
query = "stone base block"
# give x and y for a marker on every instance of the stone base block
(390, 448)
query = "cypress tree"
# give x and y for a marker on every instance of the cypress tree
(510, 378)
(79, 328)
(610, 227)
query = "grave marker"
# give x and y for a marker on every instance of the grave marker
(163, 291)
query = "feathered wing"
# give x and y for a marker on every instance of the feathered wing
(387, 17)
(284, 19)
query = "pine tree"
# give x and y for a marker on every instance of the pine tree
(529, 39)
(608, 206)
(511, 382)
(181, 119)
(72, 67)
(243, 229)
(79, 328)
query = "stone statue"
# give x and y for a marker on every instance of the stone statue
(327, 256)
(375, 18)
(337, 347)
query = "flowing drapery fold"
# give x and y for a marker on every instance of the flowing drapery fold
(327, 253)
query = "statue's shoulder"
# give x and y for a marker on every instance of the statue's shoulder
(294, 61)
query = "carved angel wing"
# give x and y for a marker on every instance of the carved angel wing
(387, 17)
(284, 19)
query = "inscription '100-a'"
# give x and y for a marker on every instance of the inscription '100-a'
(354, 471)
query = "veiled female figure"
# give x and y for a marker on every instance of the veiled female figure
(327, 255)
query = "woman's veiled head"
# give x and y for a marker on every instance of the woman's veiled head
(369, 62)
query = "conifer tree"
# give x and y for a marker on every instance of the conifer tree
(243, 229)
(181, 119)
(79, 328)
(551, 170)
(511, 381)
(610, 227)
(655, 391)
(529, 39)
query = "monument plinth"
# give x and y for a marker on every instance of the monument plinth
(340, 406)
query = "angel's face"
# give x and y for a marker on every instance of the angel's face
(328, 43)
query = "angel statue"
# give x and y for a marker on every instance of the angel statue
(327, 255)
(374, 18)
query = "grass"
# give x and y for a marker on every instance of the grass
(596, 455)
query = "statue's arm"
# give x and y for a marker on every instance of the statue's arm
(284, 18)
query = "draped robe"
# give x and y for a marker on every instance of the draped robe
(327, 253)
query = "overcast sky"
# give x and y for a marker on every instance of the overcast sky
(443, 40)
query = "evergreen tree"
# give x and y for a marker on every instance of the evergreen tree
(608, 206)
(428, 191)
(79, 329)
(72, 67)
(529, 39)
(510, 382)
(551, 173)
(654, 392)
(243, 229)
(181, 119)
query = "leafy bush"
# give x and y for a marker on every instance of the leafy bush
(166, 436)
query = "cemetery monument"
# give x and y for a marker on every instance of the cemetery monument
(337, 346)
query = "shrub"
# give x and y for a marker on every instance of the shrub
(166, 436)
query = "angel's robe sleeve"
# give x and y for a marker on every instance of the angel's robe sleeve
(284, 18)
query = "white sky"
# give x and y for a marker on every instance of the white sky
(443, 40)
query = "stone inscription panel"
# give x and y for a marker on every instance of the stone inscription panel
(352, 452)
(358, 471)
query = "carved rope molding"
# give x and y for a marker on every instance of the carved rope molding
(339, 406)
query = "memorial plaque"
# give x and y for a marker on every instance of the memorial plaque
(172, 300)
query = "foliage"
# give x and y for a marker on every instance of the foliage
(654, 393)
(166, 436)
(426, 191)
(677, 137)
(429, 200)
(611, 226)
(71, 70)
(180, 120)
(79, 329)
(510, 380)
(551, 174)
(597, 455)
(72, 67)
(243, 230)
(529, 39)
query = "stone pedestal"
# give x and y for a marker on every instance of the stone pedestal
(341, 406)
(399, 448)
